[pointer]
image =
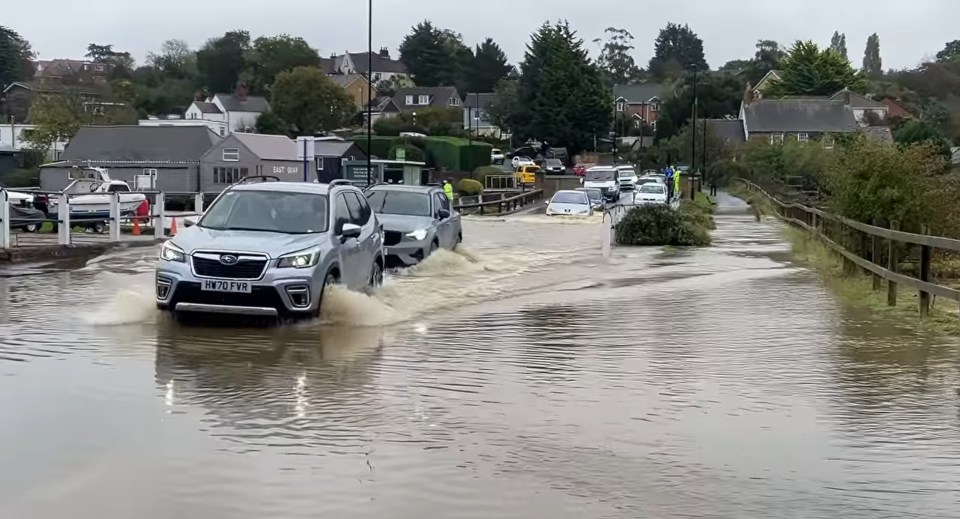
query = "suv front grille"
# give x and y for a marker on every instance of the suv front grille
(244, 268)
(392, 238)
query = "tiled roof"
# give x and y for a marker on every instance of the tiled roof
(474, 100)
(233, 103)
(638, 93)
(269, 147)
(855, 100)
(207, 108)
(778, 115)
(729, 129)
(439, 96)
(140, 143)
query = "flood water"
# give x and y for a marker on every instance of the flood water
(527, 376)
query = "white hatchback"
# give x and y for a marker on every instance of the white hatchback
(651, 193)
(570, 203)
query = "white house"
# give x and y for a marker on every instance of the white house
(238, 111)
(384, 67)
(15, 136)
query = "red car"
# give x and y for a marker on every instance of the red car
(579, 170)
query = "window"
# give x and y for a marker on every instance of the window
(319, 163)
(146, 181)
(423, 100)
(118, 188)
(776, 138)
(828, 142)
(231, 154)
(803, 137)
(341, 214)
(356, 210)
(99, 68)
(228, 175)
(442, 201)
(408, 101)
(454, 101)
(620, 106)
(365, 211)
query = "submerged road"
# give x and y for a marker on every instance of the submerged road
(525, 377)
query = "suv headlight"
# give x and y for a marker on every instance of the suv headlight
(418, 235)
(300, 259)
(170, 252)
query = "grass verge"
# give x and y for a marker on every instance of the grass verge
(857, 289)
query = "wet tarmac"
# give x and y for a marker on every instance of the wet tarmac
(526, 376)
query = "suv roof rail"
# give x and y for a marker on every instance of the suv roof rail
(341, 182)
(264, 178)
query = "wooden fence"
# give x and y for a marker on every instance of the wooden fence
(878, 249)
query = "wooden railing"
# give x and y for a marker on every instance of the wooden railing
(504, 204)
(880, 248)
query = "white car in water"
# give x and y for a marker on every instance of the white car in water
(651, 193)
(570, 203)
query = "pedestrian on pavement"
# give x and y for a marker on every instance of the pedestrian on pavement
(676, 182)
(713, 185)
(668, 180)
(448, 189)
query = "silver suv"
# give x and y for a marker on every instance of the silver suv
(417, 220)
(269, 249)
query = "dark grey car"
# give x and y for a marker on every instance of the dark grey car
(417, 220)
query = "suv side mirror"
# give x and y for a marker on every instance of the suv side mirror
(443, 214)
(350, 230)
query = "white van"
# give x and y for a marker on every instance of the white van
(604, 178)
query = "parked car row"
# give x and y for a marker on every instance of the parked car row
(272, 249)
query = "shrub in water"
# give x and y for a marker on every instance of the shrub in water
(661, 225)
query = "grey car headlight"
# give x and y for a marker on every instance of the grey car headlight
(170, 252)
(300, 259)
(418, 235)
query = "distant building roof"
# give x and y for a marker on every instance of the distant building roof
(233, 103)
(895, 110)
(381, 63)
(730, 130)
(269, 147)
(345, 79)
(779, 115)
(481, 100)
(857, 101)
(140, 144)
(335, 148)
(439, 96)
(207, 108)
(638, 93)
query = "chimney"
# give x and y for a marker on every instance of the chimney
(241, 91)
(384, 53)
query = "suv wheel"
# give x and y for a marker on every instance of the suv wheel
(376, 276)
(329, 281)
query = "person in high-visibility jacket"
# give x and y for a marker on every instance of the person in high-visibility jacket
(676, 183)
(448, 189)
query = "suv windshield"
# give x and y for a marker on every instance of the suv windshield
(652, 188)
(626, 173)
(569, 197)
(602, 175)
(268, 211)
(399, 202)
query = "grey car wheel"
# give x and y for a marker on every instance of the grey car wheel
(376, 276)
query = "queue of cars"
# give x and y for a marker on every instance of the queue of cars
(271, 249)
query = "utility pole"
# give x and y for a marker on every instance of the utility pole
(369, 91)
(703, 162)
(693, 136)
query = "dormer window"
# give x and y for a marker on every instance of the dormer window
(454, 101)
(423, 100)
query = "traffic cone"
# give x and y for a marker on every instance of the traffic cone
(136, 226)
(173, 227)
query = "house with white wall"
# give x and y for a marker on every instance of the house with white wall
(238, 111)
(15, 136)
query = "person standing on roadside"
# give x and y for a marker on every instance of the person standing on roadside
(448, 189)
(668, 174)
(676, 182)
(713, 185)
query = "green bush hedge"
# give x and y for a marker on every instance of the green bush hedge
(413, 153)
(661, 225)
(469, 187)
(452, 153)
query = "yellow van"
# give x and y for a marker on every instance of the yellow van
(527, 174)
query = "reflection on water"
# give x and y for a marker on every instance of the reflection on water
(527, 376)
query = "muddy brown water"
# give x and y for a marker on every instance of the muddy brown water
(527, 377)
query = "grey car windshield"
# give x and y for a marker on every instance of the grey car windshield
(602, 175)
(385, 201)
(553, 162)
(652, 188)
(268, 211)
(569, 198)
(594, 194)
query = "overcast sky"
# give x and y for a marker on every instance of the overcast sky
(909, 31)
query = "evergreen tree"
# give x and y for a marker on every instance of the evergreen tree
(809, 71)
(487, 67)
(872, 65)
(561, 97)
(677, 48)
(220, 61)
(435, 57)
(838, 43)
(15, 56)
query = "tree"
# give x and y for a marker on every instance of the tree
(271, 55)
(768, 56)
(809, 71)
(615, 60)
(872, 65)
(434, 57)
(272, 124)
(15, 57)
(106, 54)
(718, 96)
(505, 104)
(676, 49)
(487, 67)
(561, 97)
(310, 101)
(838, 44)
(59, 116)
(950, 52)
(922, 132)
(220, 61)
(175, 59)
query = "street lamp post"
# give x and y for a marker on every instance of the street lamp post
(369, 90)
(693, 135)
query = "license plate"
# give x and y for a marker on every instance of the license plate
(216, 285)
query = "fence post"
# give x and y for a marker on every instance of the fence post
(63, 219)
(158, 216)
(198, 203)
(875, 257)
(892, 263)
(849, 267)
(4, 219)
(924, 273)
(114, 216)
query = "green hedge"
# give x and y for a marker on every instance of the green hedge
(662, 225)
(452, 153)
